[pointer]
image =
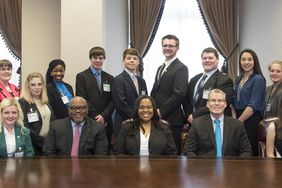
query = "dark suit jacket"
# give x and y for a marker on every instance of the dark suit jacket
(201, 138)
(23, 142)
(161, 141)
(275, 101)
(169, 92)
(124, 95)
(216, 81)
(34, 127)
(93, 140)
(59, 108)
(99, 102)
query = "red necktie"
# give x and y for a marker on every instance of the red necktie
(75, 141)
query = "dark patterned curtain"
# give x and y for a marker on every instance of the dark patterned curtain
(221, 19)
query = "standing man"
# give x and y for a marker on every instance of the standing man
(200, 86)
(127, 87)
(170, 87)
(95, 86)
(215, 134)
(76, 134)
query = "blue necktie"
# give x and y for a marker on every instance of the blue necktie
(98, 78)
(218, 138)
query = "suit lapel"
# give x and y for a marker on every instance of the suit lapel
(93, 80)
(86, 129)
(69, 136)
(210, 129)
(137, 137)
(226, 134)
(3, 148)
(129, 80)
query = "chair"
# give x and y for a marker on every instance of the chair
(262, 129)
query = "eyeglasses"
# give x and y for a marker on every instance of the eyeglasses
(219, 101)
(80, 108)
(6, 69)
(168, 46)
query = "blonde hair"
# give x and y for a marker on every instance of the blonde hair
(11, 102)
(26, 95)
(275, 62)
(5, 63)
(218, 91)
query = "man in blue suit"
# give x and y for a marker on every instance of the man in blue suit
(127, 86)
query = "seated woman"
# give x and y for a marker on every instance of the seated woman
(145, 134)
(14, 137)
(37, 112)
(59, 92)
(6, 88)
(274, 135)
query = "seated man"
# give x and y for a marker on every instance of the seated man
(76, 134)
(204, 138)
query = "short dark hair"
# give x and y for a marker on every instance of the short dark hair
(210, 50)
(130, 51)
(97, 51)
(171, 37)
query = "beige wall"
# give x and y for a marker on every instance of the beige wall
(40, 34)
(67, 29)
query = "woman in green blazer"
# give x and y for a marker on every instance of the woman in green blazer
(14, 137)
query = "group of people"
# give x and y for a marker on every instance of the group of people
(48, 118)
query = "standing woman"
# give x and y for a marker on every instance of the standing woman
(7, 89)
(145, 134)
(37, 112)
(273, 94)
(14, 137)
(249, 95)
(59, 93)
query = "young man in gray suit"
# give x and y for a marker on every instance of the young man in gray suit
(217, 135)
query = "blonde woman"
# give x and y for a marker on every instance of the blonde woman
(273, 94)
(37, 112)
(14, 137)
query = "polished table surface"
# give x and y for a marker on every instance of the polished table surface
(124, 171)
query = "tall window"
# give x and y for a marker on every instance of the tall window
(6, 54)
(183, 19)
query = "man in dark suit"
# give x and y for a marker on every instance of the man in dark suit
(196, 98)
(127, 86)
(91, 140)
(206, 139)
(95, 85)
(170, 87)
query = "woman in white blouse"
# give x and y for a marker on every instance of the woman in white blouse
(14, 137)
(145, 134)
(37, 112)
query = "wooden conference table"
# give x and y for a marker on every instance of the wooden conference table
(124, 171)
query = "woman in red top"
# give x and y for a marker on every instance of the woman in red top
(7, 90)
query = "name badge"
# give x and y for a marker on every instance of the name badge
(206, 94)
(107, 87)
(268, 107)
(65, 99)
(19, 154)
(143, 92)
(32, 117)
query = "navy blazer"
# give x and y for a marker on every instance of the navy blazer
(216, 81)
(169, 92)
(93, 140)
(124, 95)
(59, 108)
(161, 141)
(99, 101)
(201, 138)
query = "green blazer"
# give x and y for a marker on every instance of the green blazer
(23, 142)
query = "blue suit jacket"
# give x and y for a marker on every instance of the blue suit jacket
(23, 142)
(124, 95)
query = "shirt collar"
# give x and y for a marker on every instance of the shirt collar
(95, 70)
(167, 63)
(220, 119)
(130, 73)
(7, 132)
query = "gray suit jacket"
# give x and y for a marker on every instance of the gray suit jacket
(201, 138)
(274, 100)
(93, 140)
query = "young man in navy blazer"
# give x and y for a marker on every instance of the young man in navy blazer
(127, 86)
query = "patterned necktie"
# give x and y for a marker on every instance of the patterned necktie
(161, 71)
(199, 89)
(135, 81)
(218, 138)
(75, 141)
(98, 79)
